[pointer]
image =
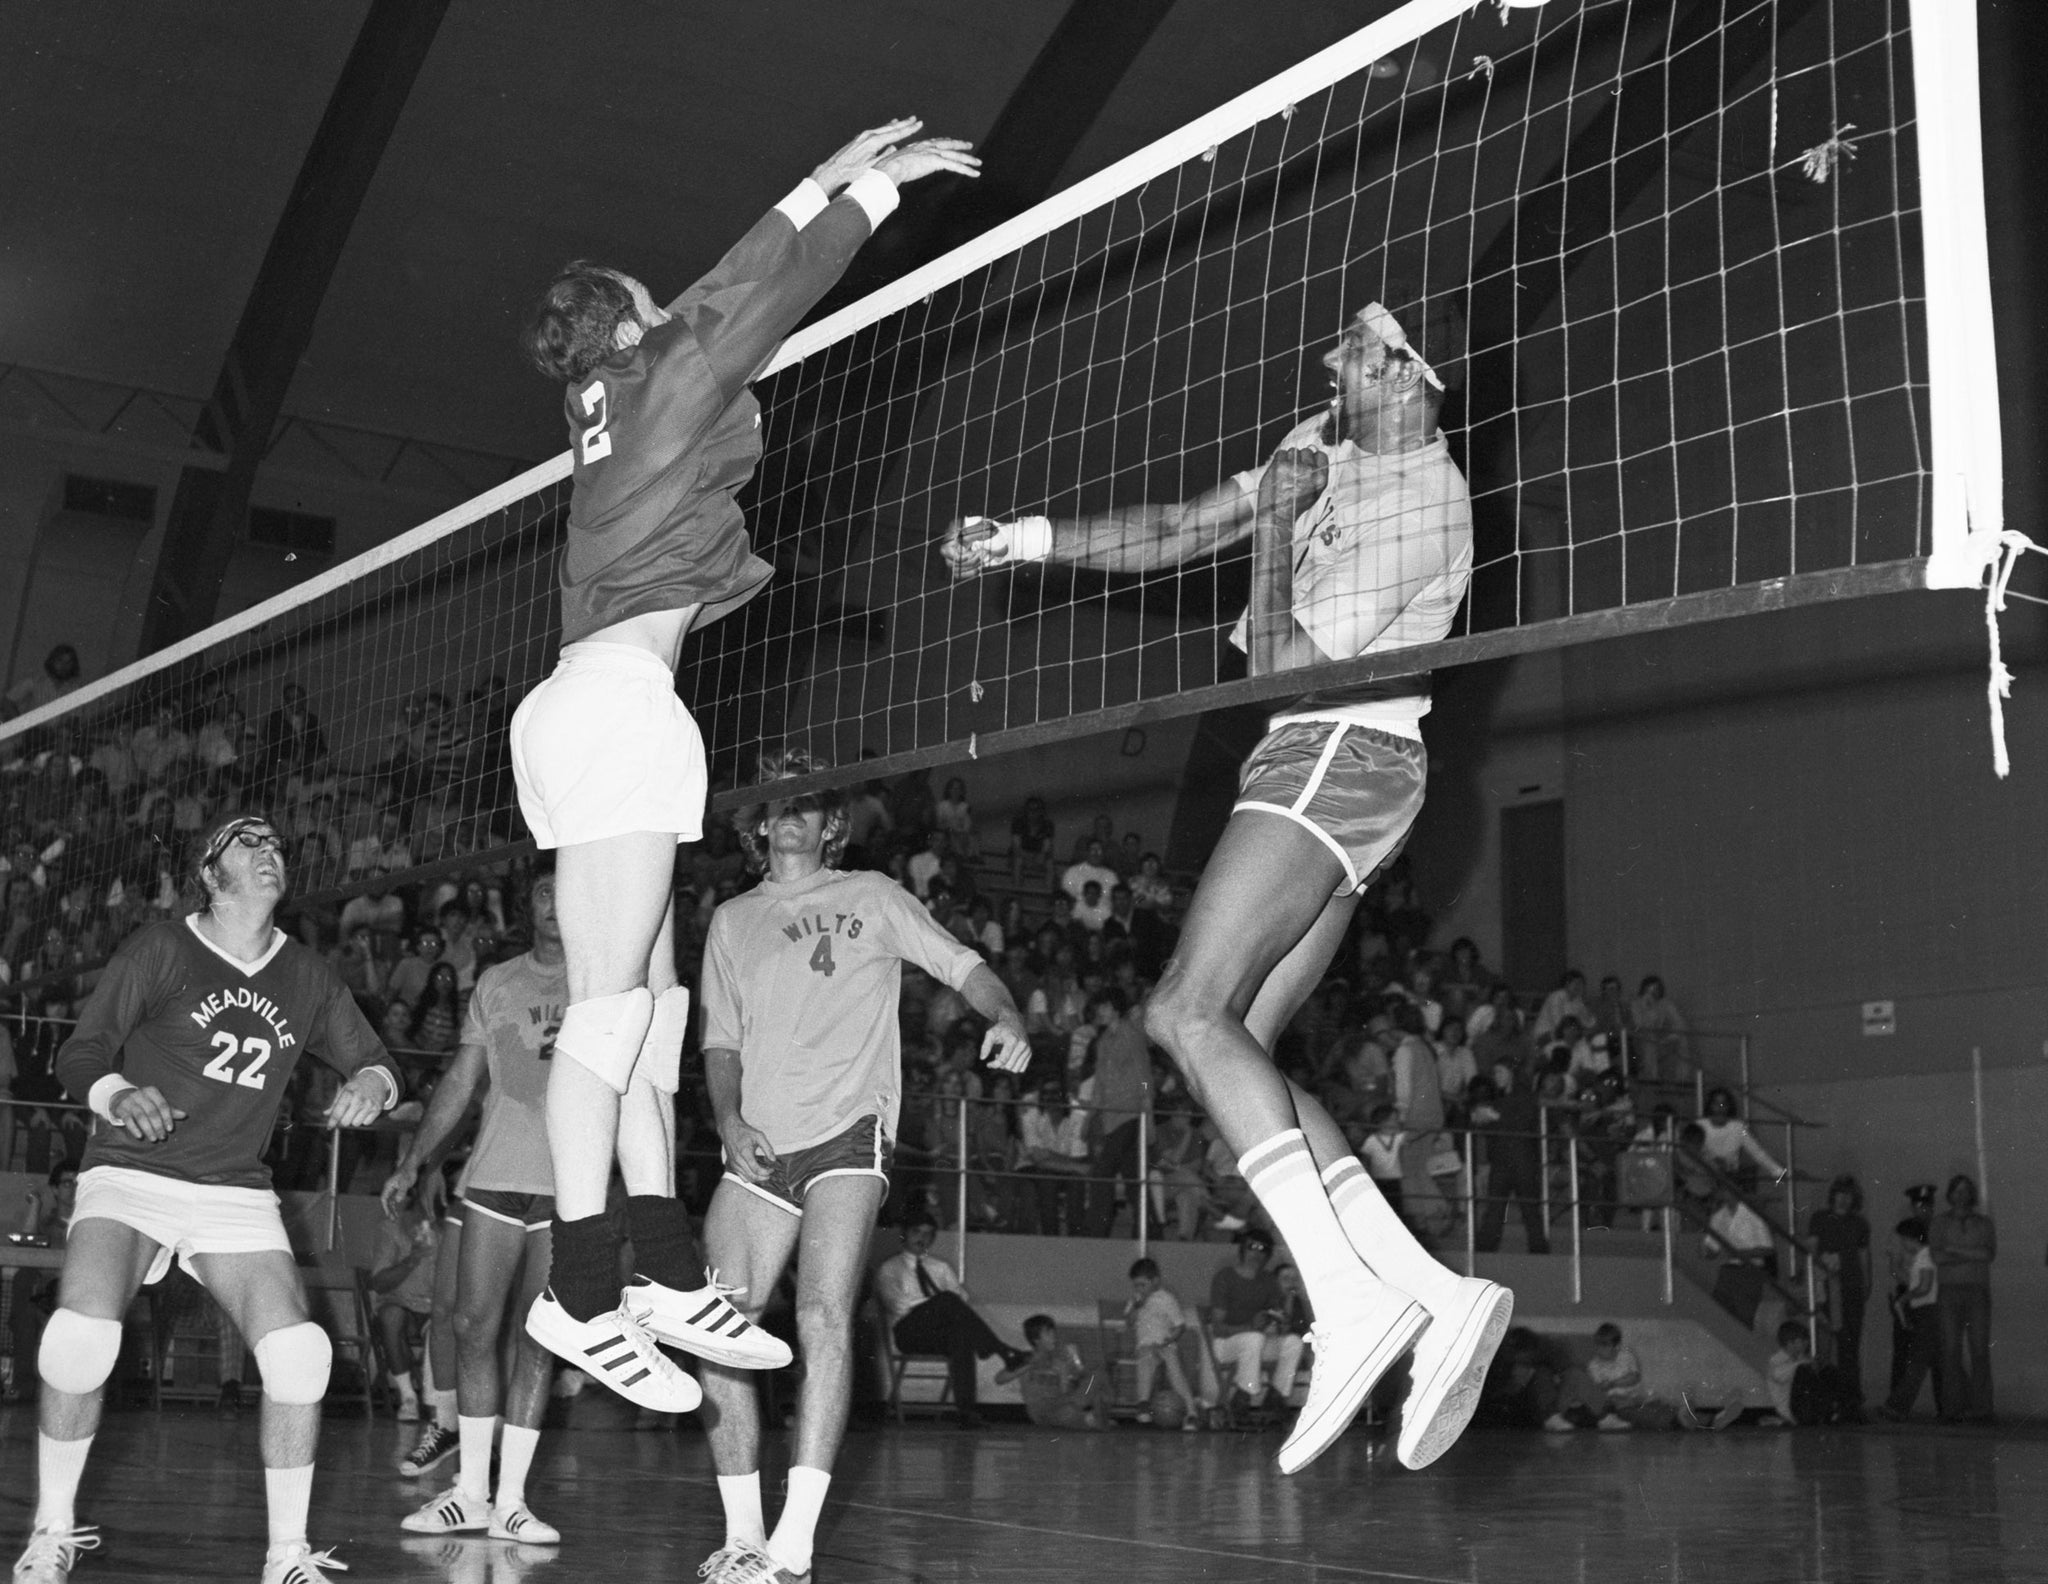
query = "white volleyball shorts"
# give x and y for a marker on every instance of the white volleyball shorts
(604, 748)
(183, 1218)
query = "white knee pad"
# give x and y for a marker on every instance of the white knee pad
(604, 1036)
(78, 1351)
(661, 1057)
(295, 1361)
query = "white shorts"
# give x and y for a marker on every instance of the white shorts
(604, 748)
(184, 1218)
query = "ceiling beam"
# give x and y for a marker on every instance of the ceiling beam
(210, 508)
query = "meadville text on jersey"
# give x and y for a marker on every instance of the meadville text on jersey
(219, 1038)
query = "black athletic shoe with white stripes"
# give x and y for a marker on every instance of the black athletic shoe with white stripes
(616, 1349)
(705, 1323)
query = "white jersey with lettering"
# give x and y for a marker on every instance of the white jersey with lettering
(802, 979)
(514, 1015)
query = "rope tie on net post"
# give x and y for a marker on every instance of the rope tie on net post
(2012, 544)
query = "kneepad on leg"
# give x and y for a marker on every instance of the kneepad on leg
(78, 1352)
(295, 1361)
(604, 1036)
(661, 1055)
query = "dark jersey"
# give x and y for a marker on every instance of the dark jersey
(665, 433)
(219, 1038)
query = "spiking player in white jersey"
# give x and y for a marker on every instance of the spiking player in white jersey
(506, 1194)
(801, 1049)
(1361, 536)
(184, 1051)
(610, 766)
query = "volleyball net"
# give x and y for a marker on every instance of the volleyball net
(1720, 266)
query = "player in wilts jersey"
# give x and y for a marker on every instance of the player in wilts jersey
(801, 1051)
(184, 1051)
(609, 764)
(1361, 541)
(506, 1195)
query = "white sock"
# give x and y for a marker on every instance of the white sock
(790, 1545)
(474, 1460)
(741, 1494)
(406, 1391)
(59, 1466)
(290, 1492)
(1282, 1172)
(1383, 1240)
(515, 1456)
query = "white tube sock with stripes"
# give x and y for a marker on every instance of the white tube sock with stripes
(1282, 1172)
(1382, 1238)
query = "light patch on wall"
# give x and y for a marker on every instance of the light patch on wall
(1879, 1017)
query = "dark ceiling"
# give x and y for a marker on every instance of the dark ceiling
(151, 150)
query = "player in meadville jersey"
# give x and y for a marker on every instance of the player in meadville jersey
(506, 1193)
(184, 1050)
(1361, 541)
(801, 979)
(609, 764)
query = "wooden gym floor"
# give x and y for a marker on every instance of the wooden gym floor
(178, 1498)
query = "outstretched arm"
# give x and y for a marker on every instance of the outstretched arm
(1125, 539)
(445, 1112)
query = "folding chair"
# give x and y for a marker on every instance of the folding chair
(913, 1366)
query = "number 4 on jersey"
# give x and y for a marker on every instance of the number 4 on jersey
(821, 958)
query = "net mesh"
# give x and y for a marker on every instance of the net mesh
(1685, 240)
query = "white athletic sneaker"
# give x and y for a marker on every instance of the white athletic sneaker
(616, 1349)
(517, 1522)
(705, 1323)
(1352, 1353)
(436, 1445)
(299, 1563)
(1613, 1421)
(52, 1553)
(454, 1511)
(1449, 1369)
(745, 1564)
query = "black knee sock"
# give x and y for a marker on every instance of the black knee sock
(584, 1273)
(664, 1249)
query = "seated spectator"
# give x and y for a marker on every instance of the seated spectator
(1063, 927)
(402, 1277)
(868, 824)
(1657, 1033)
(1121, 923)
(1091, 866)
(60, 675)
(923, 867)
(355, 962)
(1179, 1190)
(1467, 983)
(985, 932)
(1802, 1391)
(1419, 990)
(1092, 912)
(1498, 1035)
(1059, 1391)
(1381, 1152)
(1151, 891)
(1234, 1202)
(1367, 1082)
(1567, 1000)
(436, 1021)
(927, 1310)
(955, 819)
(1031, 840)
(32, 1292)
(1581, 1062)
(1456, 1066)
(465, 941)
(408, 978)
(1102, 831)
(1053, 1140)
(1610, 1009)
(1157, 1322)
(1729, 1147)
(1245, 1315)
(1617, 1375)
(1128, 855)
(385, 851)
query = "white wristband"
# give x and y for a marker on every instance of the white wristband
(1026, 539)
(804, 204)
(876, 194)
(106, 1089)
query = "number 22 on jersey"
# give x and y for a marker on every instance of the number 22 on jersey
(251, 1076)
(596, 442)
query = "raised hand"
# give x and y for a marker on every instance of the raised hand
(146, 1113)
(1293, 480)
(862, 152)
(929, 157)
(971, 546)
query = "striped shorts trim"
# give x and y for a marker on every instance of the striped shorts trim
(1355, 788)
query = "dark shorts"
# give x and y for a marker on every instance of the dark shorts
(859, 1151)
(1358, 788)
(531, 1211)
